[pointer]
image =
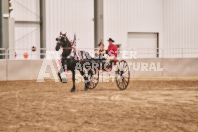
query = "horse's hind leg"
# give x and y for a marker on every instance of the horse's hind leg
(59, 77)
(73, 79)
(87, 83)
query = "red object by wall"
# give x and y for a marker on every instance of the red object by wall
(25, 55)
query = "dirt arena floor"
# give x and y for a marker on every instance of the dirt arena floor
(147, 105)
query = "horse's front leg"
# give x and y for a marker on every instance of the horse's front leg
(73, 79)
(63, 80)
(59, 73)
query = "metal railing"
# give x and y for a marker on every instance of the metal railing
(28, 54)
(3, 53)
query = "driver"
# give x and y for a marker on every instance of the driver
(112, 51)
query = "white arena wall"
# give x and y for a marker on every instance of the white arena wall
(172, 67)
(176, 21)
(26, 14)
(71, 16)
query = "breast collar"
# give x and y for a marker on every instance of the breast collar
(74, 53)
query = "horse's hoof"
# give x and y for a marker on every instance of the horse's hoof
(73, 90)
(86, 89)
(64, 80)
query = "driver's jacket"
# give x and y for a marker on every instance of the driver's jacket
(112, 50)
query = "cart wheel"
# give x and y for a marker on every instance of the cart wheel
(93, 76)
(122, 75)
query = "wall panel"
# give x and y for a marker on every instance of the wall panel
(29, 69)
(181, 23)
(26, 36)
(176, 21)
(26, 14)
(3, 70)
(123, 16)
(71, 16)
(26, 10)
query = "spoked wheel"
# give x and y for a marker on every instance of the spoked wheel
(122, 75)
(93, 77)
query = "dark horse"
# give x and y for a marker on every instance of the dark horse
(70, 63)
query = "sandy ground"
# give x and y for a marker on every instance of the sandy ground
(147, 105)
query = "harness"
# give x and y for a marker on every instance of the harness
(74, 53)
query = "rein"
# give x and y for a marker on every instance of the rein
(68, 48)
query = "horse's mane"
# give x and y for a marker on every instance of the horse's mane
(66, 44)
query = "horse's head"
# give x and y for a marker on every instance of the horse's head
(62, 41)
